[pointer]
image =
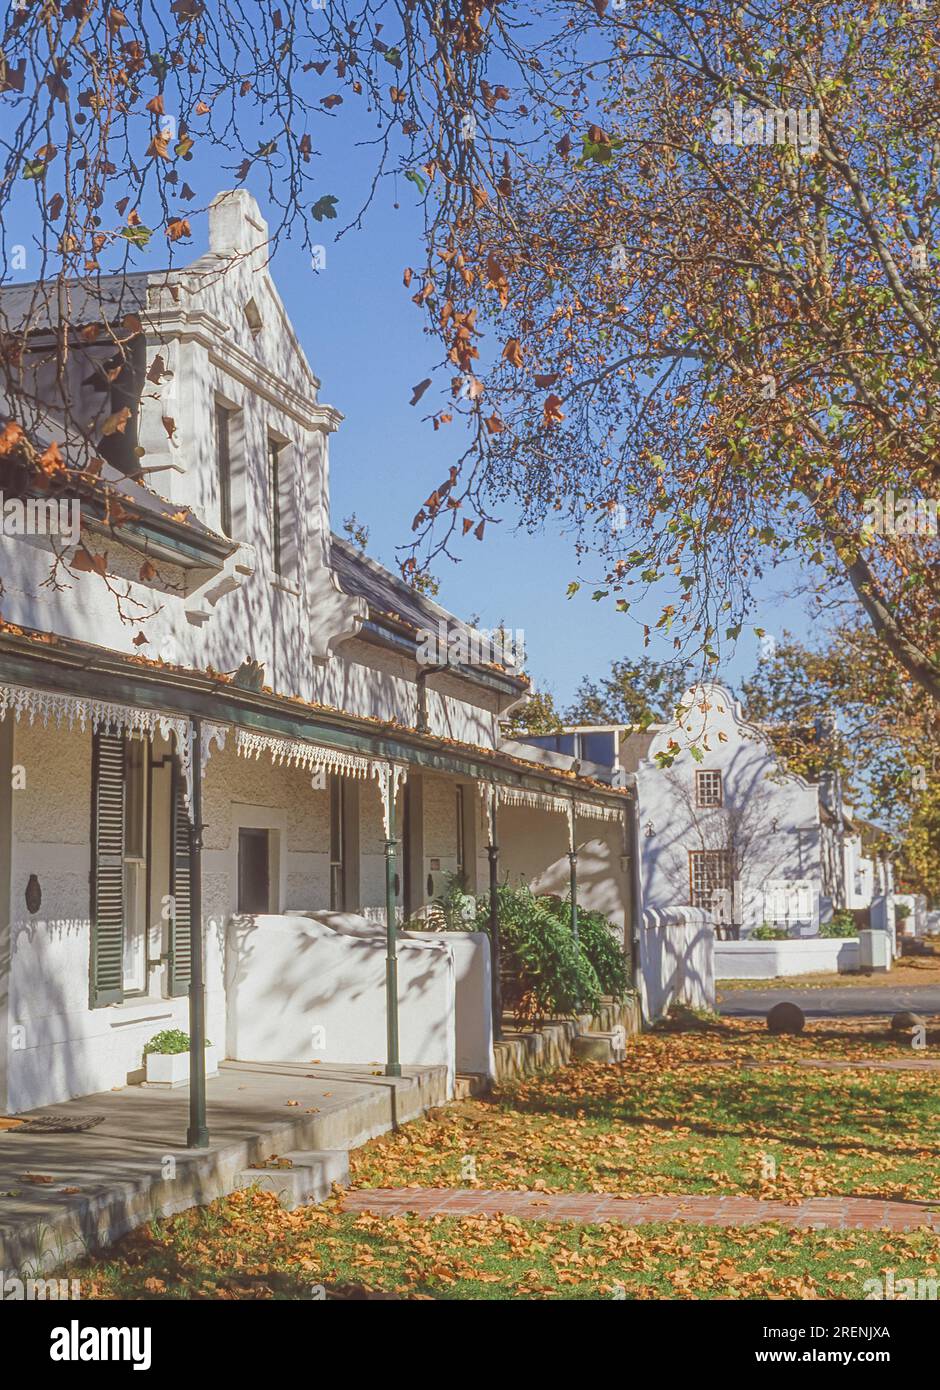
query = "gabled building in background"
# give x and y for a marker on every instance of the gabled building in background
(723, 826)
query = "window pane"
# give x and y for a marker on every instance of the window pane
(135, 798)
(274, 473)
(224, 447)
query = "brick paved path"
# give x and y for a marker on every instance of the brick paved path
(826, 1063)
(840, 1213)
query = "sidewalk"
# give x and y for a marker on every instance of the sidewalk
(815, 1213)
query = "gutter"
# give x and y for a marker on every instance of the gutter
(386, 636)
(197, 696)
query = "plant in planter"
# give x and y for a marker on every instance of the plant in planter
(841, 924)
(545, 975)
(767, 932)
(166, 1057)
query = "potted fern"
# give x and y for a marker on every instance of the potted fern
(166, 1057)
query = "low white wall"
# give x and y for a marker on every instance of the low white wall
(677, 950)
(473, 974)
(768, 960)
(299, 990)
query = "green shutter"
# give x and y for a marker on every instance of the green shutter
(107, 871)
(180, 946)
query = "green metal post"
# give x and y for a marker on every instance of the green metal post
(197, 1136)
(573, 872)
(393, 1065)
(492, 851)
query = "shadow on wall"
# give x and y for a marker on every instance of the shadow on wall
(299, 990)
(677, 957)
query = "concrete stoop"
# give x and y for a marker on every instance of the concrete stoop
(601, 1038)
(155, 1187)
(303, 1175)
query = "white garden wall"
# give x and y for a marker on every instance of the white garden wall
(769, 960)
(474, 983)
(677, 949)
(301, 991)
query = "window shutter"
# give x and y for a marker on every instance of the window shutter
(107, 871)
(179, 954)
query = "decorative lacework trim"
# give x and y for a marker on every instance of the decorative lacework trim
(44, 706)
(544, 801)
(307, 754)
(303, 753)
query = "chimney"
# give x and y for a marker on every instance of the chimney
(236, 225)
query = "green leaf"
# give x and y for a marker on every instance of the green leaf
(137, 236)
(34, 169)
(697, 754)
(414, 177)
(573, 588)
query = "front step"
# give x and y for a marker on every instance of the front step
(600, 1047)
(308, 1175)
(470, 1083)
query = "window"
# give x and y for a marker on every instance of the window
(710, 871)
(708, 789)
(253, 318)
(337, 844)
(136, 766)
(121, 869)
(224, 460)
(274, 485)
(254, 870)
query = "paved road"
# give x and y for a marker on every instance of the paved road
(845, 1001)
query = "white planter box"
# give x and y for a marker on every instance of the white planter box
(172, 1069)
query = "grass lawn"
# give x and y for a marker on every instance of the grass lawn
(245, 1246)
(689, 1111)
(699, 1106)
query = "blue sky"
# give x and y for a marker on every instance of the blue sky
(365, 340)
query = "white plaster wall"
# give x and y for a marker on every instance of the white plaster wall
(299, 626)
(768, 960)
(774, 816)
(288, 976)
(533, 848)
(677, 960)
(474, 1001)
(63, 1048)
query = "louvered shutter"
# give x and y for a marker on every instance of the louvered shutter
(180, 949)
(107, 872)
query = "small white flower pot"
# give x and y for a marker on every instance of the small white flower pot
(172, 1069)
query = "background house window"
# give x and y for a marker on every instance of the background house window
(710, 870)
(708, 789)
(223, 436)
(254, 870)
